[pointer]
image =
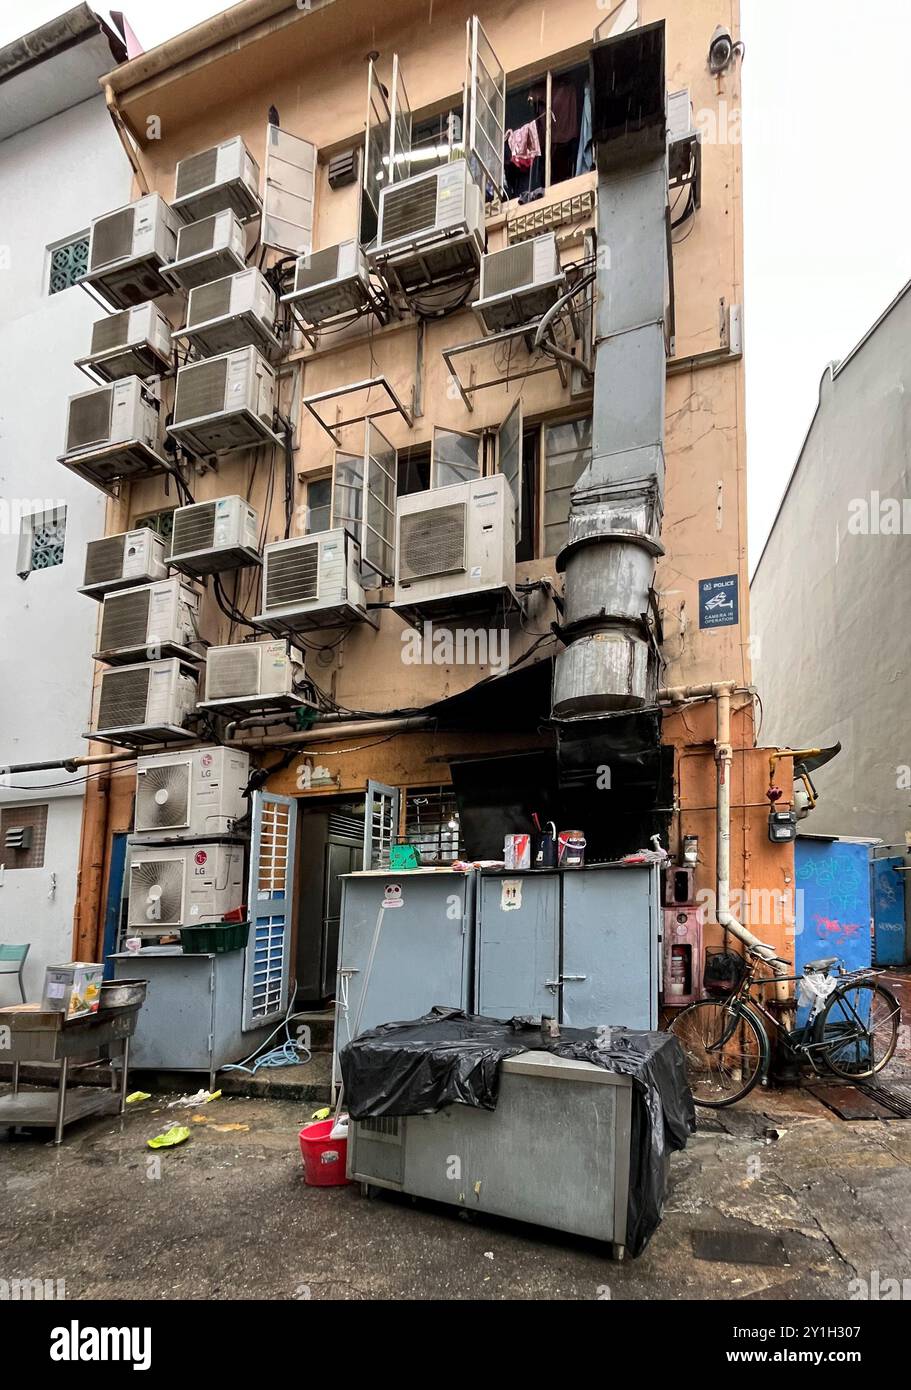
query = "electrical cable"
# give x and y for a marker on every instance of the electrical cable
(292, 1052)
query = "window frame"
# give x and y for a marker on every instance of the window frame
(551, 422)
(556, 66)
(50, 251)
(25, 564)
(323, 476)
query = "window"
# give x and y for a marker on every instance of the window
(25, 826)
(41, 540)
(435, 140)
(162, 523)
(319, 505)
(551, 116)
(414, 469)
(69, 260)
(567, 451)
(432, 823)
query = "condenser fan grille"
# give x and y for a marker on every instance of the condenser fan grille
(124, 699)
(89, 419)
(112, 238)
(510, 269)
(432, 542)
(411, 209)
(163, 797)
(233, 673)
(292, 575)
(156, 893)
(210, 301)
(104, 560)
(196, 238)
(201, 390)
(194, 529)
(125, 620)
(196, 172)
(111, 332)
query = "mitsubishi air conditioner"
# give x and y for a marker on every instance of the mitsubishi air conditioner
(182, 886)
(133, 342)
(248, 676)
(225, 176)
(128, 249)
(210, 537)
(117, 562)
(200, 792)
(114, 432)
(148, 703)
(149, 622)
(330, 283)
(455, 549)
(519, 284)
(236, 311)
(431, 228)
(225, 403)
(312, 582)
(207, 250)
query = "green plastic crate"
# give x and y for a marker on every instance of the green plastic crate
(215, 938)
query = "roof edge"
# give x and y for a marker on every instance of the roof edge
(47, 41)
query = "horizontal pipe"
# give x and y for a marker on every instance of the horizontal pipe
(69, 764)
(320, 733)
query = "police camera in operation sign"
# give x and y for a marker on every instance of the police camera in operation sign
(718, 603)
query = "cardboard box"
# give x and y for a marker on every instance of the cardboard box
(73, 989)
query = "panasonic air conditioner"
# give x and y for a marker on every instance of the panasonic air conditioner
(311, 582)
(236, 311)
(210, 537)
(225, 176)
(455, 548)
(117, 562)
(207, 250)
(114, 432)
(225, 403)
(133, 342)
(200, 792)
(330, 283)
(431, 228)
(147, 703)
(129, 248)
(265, 675)
(519, 284)
(180, 886)
(149, 622)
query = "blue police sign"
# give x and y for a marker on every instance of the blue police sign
(718, 601)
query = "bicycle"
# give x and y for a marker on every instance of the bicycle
(727, 1045)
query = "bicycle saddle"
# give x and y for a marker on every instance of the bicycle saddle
(820, 964)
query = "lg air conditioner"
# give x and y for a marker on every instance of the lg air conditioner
(200, 792)
(248, 676)
(311, 582)
(236, 311)
(114, 432)
(210, 537)
(128, 250)
(330, 283)
(225, 403)
(147, 703)
(431, 228)
(133, 342)
(455, 549)
(519, 284)
(181, 886)
(150, 622)
(207, 250)
(225, 176)
(117, 562)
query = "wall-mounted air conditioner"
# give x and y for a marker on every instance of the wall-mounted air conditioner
(225, 403)
(114, 432)
(330, 283)
(455, 549)
(133, 342)
(147, 703)
(210, 537)
(128, 249)
(200, 792)
(225, 176)
(265, 675)
(520, 283)
(117, 562)
(431, 228)
(311, 582)
(207, 250)
(149, 622)
(180, 886)
(236, 311)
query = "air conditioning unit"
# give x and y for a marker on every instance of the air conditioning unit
(225, 176)
(431, 228)
(520, 283)
(149, 622)
(455, 549)
(247, 676)
(236, 311)
(312, 582)
(225, 403)
(200, 792)
(147, 703)
(129, 248)
(210, 537)
(207, 250)
(179, 887)
(330, 283)
(133, 342)
(114, 432)
(117, 562)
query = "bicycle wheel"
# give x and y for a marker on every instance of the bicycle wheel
(721, 1069)
(858, 1029)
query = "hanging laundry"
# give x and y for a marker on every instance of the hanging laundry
(585, 159)
(524, 145)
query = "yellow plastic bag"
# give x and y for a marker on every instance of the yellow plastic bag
(177, 1135)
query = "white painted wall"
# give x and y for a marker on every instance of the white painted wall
(54, 178)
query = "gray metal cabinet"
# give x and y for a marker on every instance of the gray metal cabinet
(518, 949)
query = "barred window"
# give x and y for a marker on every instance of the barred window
(69, 261)
(432, 823)
(41, 540)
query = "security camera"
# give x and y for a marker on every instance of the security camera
(722, 50)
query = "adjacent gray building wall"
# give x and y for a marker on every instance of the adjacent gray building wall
(831, 596)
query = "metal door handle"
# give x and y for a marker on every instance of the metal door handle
(564, 978)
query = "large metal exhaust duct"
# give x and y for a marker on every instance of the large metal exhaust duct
(610, 661)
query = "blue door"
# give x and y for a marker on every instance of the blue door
(113, 907)
(833, 901)
(889, 946)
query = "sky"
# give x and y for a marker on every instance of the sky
(827, 198)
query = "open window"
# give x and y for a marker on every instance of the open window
(509, 457)
(364, 489)
(387, 143)
(485, 90)
(455, 457)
